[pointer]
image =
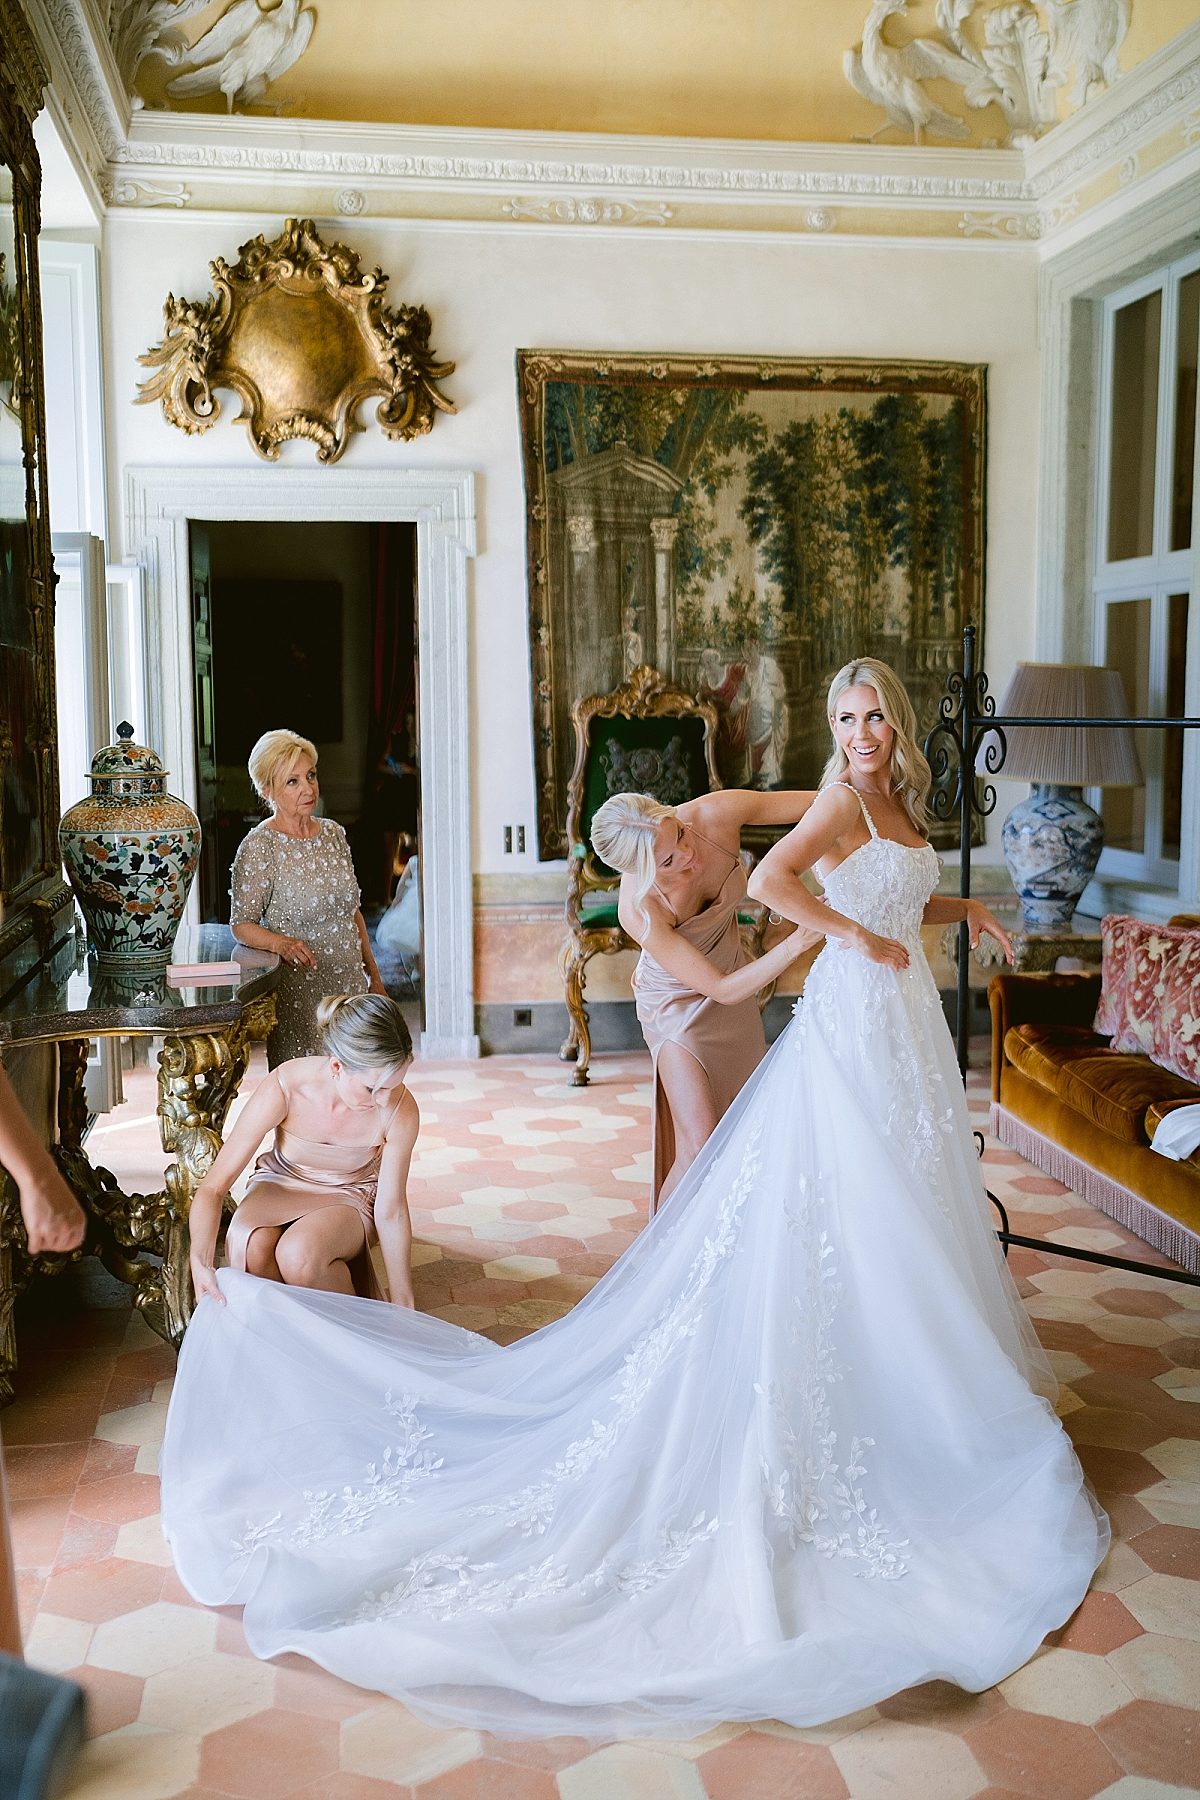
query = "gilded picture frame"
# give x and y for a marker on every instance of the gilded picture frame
(745, 525)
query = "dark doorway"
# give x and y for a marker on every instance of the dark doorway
(310, 626)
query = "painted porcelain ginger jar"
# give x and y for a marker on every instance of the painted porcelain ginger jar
(130, 850)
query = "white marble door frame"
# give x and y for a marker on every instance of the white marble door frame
(441, 503)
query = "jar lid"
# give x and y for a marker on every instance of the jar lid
(126, 758)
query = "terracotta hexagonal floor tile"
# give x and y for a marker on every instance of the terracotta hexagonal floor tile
(489, 1779)
(1117, 1471)
(757, 1767)
(1043, 1757)
(1112, 1429)
(1150, 1302)
(941, 1704)
(113, 1699)
(269, 1755)
(343, 1786)
(118, 1498)
(550, 1754)
(1171, 1550)
(1152, 1739)
(100, 1590)
(1098, 1625)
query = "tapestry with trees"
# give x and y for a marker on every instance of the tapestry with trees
(746, 525)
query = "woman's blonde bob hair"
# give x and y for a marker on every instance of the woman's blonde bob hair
(273, 756)
(624, 831)
(364, 1031)
(911, 776)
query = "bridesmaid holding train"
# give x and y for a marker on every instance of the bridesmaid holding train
(682, 885)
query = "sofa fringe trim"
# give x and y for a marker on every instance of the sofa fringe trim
(1137, 1215)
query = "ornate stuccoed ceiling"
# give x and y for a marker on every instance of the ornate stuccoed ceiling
(715, 69)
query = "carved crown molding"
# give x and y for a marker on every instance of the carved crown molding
(572, 180)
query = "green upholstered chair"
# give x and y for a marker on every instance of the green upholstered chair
(647, 737)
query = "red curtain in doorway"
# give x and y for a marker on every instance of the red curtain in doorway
(390, 786)
(393, 641)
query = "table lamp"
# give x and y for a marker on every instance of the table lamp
(1052, 840)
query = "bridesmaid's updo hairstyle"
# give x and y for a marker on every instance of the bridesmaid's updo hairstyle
(911, 776)
(273, 756)
(364, 1031)
(623, 834)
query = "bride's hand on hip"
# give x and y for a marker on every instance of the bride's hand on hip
(886, 951)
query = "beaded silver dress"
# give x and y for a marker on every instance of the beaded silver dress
(304, 888)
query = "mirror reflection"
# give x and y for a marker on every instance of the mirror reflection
(18, 674)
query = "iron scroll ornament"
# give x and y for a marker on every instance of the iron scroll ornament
(303, 336)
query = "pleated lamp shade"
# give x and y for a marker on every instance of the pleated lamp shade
(1068, 755)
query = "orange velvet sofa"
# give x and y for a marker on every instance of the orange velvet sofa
(1086, 1113)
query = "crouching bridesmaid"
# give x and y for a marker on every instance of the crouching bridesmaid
(334, 1181)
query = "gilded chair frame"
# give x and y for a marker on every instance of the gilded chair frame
(647, 694)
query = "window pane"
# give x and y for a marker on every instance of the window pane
(1177, 617)
(1127, 648)
(1134, 429)
(1185, 412)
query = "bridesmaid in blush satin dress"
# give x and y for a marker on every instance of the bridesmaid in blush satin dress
(682, 885)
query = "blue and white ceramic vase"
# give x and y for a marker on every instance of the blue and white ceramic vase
(130, 850)
(1052, 843)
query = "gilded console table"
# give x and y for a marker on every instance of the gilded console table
(206, 1033)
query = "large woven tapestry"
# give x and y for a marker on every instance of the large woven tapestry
(746, 526)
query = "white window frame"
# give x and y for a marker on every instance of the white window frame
(1156, 577)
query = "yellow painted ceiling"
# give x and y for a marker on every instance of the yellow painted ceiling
(740, 69)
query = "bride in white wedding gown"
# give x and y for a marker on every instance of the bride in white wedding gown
(795, 1452)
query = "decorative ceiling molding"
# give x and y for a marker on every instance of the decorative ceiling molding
(562, 181)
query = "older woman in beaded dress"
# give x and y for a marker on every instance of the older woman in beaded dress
(294, 893)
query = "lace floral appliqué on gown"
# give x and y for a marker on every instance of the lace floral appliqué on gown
(792, 1454)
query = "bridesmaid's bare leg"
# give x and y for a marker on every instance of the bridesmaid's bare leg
(317, 1250)
(694, 1113)
(261, 1246)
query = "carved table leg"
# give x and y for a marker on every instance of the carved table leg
(198, 1078)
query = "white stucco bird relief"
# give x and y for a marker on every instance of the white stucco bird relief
(246, 50)
(1020, 58)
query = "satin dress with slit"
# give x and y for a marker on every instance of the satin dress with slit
(727, 1041)
(299, 1176)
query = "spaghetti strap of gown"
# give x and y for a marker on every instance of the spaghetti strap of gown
(727, 1041)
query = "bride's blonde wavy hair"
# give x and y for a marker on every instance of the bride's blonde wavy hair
(911, 775)
(624, 830)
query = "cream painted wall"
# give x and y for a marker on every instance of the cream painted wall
(492, 290)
